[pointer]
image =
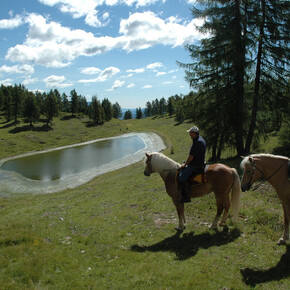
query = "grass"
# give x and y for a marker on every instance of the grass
(117, 231)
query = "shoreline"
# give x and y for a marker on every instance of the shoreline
(12, 183)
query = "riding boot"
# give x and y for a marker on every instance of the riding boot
(185, 192)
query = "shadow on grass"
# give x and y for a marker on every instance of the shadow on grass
(8, 124)
(281, 270)
(13, 242)
(44, 128)
(187, 245)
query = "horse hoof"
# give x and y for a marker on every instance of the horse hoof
(179, 229)
(281, 242)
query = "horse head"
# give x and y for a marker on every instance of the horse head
(148, 166)
(248, 165)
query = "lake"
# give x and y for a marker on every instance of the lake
(66, 167)
(59, 164)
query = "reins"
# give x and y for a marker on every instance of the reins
(263, 176)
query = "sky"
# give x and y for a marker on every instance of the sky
(123, 50)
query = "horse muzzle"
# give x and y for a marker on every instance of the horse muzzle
(146, 173)
(246, 187)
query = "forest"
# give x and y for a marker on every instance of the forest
(239, 80)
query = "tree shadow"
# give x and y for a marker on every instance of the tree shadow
(281, 270)
(8, 124)
(68, 117)
(187, 245)
(44, 128)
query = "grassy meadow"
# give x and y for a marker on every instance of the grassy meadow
(117, 231)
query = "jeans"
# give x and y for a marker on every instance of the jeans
(186, 172)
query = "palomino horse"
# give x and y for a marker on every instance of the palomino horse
(271, 168)
(221, 180)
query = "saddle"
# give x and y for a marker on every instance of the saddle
(199, 176)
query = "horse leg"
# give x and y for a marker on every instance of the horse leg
(180, 212)
(220, 208)
(285, 237)
(226, 212)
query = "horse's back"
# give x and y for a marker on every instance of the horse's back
(219, 168)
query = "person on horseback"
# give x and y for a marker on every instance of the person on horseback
(194, 161)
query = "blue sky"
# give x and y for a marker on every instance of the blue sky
(123, 50)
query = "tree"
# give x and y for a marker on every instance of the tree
(16, 101)
(117, 111)
(128, 115)
(96, 112)
(219, 60)
(170, 106)
(51, 106)
(139, 113)
(83, 105)
(6, 91)
(179, 115)
(74, 102)
(65, 104)
(268, 23)
(162, 107)
(108, 109)
(148, 110)
(30, 108)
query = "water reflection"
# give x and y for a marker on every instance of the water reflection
(50, 173)
(60, 163)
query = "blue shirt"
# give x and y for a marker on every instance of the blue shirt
(197, 150)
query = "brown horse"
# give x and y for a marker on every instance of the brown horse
(271, 168)
(221, 180)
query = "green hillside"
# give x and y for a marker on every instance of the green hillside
(117, 231)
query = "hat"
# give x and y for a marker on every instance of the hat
(193, 129)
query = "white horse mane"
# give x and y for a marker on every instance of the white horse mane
(160, 162)
(246, 160)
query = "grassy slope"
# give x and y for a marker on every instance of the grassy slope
(118, 232)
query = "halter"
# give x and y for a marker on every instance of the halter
(263, 179)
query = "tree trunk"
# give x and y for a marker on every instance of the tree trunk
(257, 83)
(239, 80)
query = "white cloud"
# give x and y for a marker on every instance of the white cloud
(52, 45)
(108, 73)
(6, 82)
(92, 19)
(167, 83)
(137, 71)
(143, 30)
(104, 75)
(19, 69)
(90, 70)
(154, 65)
(117, 84)
(132, 85)
(29, 81)
(11, 23)
(161, 73)
(56, 81)
(147, 87)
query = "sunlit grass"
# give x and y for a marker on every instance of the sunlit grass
(117, 231)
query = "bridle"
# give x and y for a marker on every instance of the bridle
(263, 179)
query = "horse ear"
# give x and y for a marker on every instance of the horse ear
(243, 157)
(147, 155)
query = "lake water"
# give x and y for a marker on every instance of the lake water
(59, 164)
(70, 166)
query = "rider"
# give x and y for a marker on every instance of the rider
(194, 161)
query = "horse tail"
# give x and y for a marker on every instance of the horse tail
(236, 194)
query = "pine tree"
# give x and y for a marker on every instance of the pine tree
(30, 108)
(219, 63)
(117, 111)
